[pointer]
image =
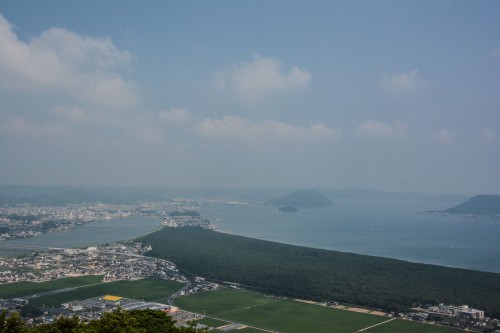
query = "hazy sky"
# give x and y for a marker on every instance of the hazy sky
(388, 95)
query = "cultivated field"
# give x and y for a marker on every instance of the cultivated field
(213, 322)
(144, 289)
(22, 289)
(291, 316)
(405, 326)
(255, 310)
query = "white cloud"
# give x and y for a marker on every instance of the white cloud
(445, 137)
(67, 63)
(488, 133)
(142, 128)
(403, 83)
(41, 130)
(495, 53)
(381, 129)
(174, 116)
(81, 52)
(71, 113)
(251, 81)
(231, 128)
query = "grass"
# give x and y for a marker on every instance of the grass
(405, 326)
(22, 289)
(249, 330)
(145, 289)
(275, 313)
(212, 322)
(290, 316)
(244, 307)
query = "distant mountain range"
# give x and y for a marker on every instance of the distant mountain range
(301, 199)
(481, 205)
(62, 195)
(77, 196)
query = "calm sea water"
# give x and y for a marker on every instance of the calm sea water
(90, 234)
(386, 228)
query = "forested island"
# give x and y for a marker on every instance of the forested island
(323, 275)
(302, 199)
(480, 205)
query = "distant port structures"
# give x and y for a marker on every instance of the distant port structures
(185, 218)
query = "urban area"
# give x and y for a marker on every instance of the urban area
(27, 220)
(114, 262)
(128, 261)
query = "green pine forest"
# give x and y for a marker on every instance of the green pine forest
(323, 275)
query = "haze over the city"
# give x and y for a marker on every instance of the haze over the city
(388, 95)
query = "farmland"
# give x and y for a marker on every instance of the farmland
(222, 306)
(86, 287)
(291, 316)
(22, 289)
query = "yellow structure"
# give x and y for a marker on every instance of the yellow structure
(112, 298)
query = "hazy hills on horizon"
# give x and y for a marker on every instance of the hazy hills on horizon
(481, 205)
(61, 195)
(301, 199)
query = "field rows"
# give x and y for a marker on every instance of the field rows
(256, 310)
(290, 316)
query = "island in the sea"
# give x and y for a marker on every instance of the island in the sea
(480, 205)
(301, 199)
(288, 209)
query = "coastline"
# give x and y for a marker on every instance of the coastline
(444, 213)
(388, 229)
(294, 271)
(356, 254)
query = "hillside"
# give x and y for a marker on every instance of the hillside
(77, 196)
(308, 273)
(484, 205)
(302, 199)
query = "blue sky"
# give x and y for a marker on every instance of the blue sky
(388, 95)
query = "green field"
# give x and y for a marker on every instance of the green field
(90, 286)
(145, 289)
(405, 326)
(251, 309)
(249, 330)
(291, 316)
(212, 322)
(22, 289)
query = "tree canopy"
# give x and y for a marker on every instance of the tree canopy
(119, 321)
(323, 275)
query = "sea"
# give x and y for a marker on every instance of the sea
(393, 228)
(90, 234)
(386, 228)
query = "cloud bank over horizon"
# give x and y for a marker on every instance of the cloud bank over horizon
(93, 104)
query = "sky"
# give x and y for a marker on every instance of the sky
(387, 95)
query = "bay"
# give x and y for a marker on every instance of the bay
(387, 228)
(93, 233)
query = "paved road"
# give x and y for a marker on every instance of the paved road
(366, 328)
